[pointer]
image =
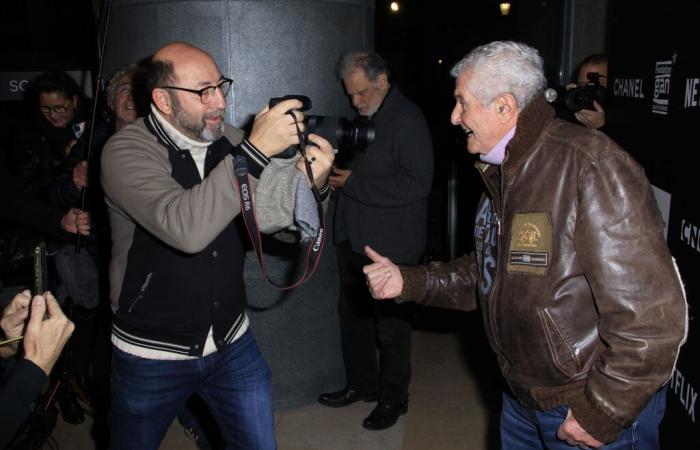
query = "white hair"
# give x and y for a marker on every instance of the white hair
(113, 84)
(503, 67)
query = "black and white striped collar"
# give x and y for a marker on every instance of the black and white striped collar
(154, 125)
(156, 128)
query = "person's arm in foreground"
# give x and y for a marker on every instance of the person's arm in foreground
(46, 332)
(442, 284)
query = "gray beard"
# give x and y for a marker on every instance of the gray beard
(194, 129)
(212, 135)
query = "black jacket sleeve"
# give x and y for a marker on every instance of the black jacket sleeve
(21, 387)
(20, 207)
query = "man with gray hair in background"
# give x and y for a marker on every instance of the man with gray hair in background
(581, 300)
(382, 201)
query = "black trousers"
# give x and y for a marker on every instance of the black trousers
(368, 325)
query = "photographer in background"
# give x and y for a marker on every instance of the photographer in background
(382, 200)
(593, 64)
(49, 158)
(46, 332)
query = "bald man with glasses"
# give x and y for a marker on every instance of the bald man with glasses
(176, 272)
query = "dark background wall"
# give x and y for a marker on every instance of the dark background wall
(654, 113)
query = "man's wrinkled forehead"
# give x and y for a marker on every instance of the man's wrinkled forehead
(461, 83)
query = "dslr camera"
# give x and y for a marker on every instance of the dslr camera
(568, 102)
(345, 135)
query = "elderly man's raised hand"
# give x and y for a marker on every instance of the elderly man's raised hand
(47, 332)
(383, 276)
(274, 130)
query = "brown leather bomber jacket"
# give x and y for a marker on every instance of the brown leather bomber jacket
(586, 307)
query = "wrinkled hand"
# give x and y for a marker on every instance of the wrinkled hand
(383, 276)
(339, 177)
(44, 338)
(592, 119)
(12, 321)
(274, 129)
(76, 221)
(321, 156)
(574, 435)
(80, 175)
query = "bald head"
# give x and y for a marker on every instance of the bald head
(177, 59)
(183, 57)
(178, 73)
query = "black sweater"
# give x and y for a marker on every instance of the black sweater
(384, 201)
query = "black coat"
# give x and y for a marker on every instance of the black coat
(19, 389)
(384, 202)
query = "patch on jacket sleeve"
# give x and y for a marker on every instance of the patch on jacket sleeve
(530, 249)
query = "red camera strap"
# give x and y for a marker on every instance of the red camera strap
(311, 249)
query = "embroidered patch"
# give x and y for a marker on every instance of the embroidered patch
(530, 244)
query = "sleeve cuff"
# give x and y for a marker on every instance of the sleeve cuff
(30, 379)
(257, 161)
(593, 420)
(413, 284)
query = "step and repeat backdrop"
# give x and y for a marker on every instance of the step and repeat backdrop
(654, 113)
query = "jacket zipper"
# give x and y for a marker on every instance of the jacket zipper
(143, 290)
(497, 278)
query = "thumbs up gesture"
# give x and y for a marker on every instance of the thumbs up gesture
(383, 276)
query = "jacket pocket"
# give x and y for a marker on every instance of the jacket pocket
(142, 291)
(562, 354)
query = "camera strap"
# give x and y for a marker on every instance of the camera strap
(311, 248)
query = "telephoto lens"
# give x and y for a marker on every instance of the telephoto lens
(343, 134)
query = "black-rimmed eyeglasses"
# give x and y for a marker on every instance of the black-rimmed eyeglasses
(58, 109)
(206, 94)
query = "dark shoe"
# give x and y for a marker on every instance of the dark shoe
(384, 415)
(83, 389)
(193, 430)
(344, 397)
(71, 411)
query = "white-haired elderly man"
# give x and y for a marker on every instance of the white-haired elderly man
(120, 98)
(581, 299)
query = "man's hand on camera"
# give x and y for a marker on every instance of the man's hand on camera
(592, 119)
(339, 177)
(44, 338)
(320, 154)
(274, 130)
(12, 321)
(384, 278)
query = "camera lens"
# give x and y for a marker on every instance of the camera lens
(582, 97)
(343, 134)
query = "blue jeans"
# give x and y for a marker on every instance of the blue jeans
(528, 429)
(236, 385)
